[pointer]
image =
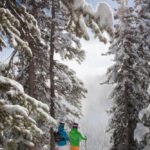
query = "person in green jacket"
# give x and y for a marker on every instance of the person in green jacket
(75, 136)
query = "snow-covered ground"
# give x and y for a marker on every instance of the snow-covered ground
(94, 123)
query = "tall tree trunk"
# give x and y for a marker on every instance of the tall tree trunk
(52, 86)
(1, 139)
(31, 77)
(31, 84)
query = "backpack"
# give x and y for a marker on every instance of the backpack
(57, 137)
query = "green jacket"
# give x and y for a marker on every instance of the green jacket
(75, 136)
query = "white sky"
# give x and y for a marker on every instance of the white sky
(92, 71)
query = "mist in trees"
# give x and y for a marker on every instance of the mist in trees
(38, 89)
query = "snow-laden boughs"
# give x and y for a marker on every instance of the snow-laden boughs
(144, 116)
(65, 44)
(142, 8)
(83, 16)
(35, 71)
(130, 77)
(18, 113)
(69, 47)
(69, 92)
(8, 27)
(34, 74)
(16, 24)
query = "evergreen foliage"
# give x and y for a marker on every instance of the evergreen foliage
(130, 76)
(65, 44)
(142, 8)
(18, 110)
(69, 48)
(19, 124)
(39, 31)
(83, 15)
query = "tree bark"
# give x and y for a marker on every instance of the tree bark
(31, 77)
(52, 85)
(31, 82)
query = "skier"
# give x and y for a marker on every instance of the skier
(18, 3)
(75, 137)
(62, 144)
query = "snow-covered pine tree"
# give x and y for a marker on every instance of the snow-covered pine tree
(62, 80)
(30, 33)
(68, 46)
(69, 93)
(23, 25)
(145, 119)
(39, 65)
(17, 113)
(39, 50)
(40, 53)
(143, 32)
(57, 22)
(142, 8)
(129, 76)
(16, 24)
(39, 9)
(9, 25)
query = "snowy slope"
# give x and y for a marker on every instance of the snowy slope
(95, 120)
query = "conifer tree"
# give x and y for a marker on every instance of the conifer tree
(60, 42)
(9, 26)
(18, 110)
(40, 54)
(83, 16)
(63, 45)
(142, 8)
(142, 27)
(128, 74)
(66, 44)
(39, 65)
(16, 24)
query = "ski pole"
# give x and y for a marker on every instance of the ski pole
(85, 143)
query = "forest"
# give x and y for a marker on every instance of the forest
(40, 91)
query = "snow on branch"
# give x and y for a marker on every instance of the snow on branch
(83, 16)
(18, 91)
(8, 26)
(22, 106)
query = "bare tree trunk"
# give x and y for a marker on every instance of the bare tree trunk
(52, 85)
(1, 139)
(31, 77)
